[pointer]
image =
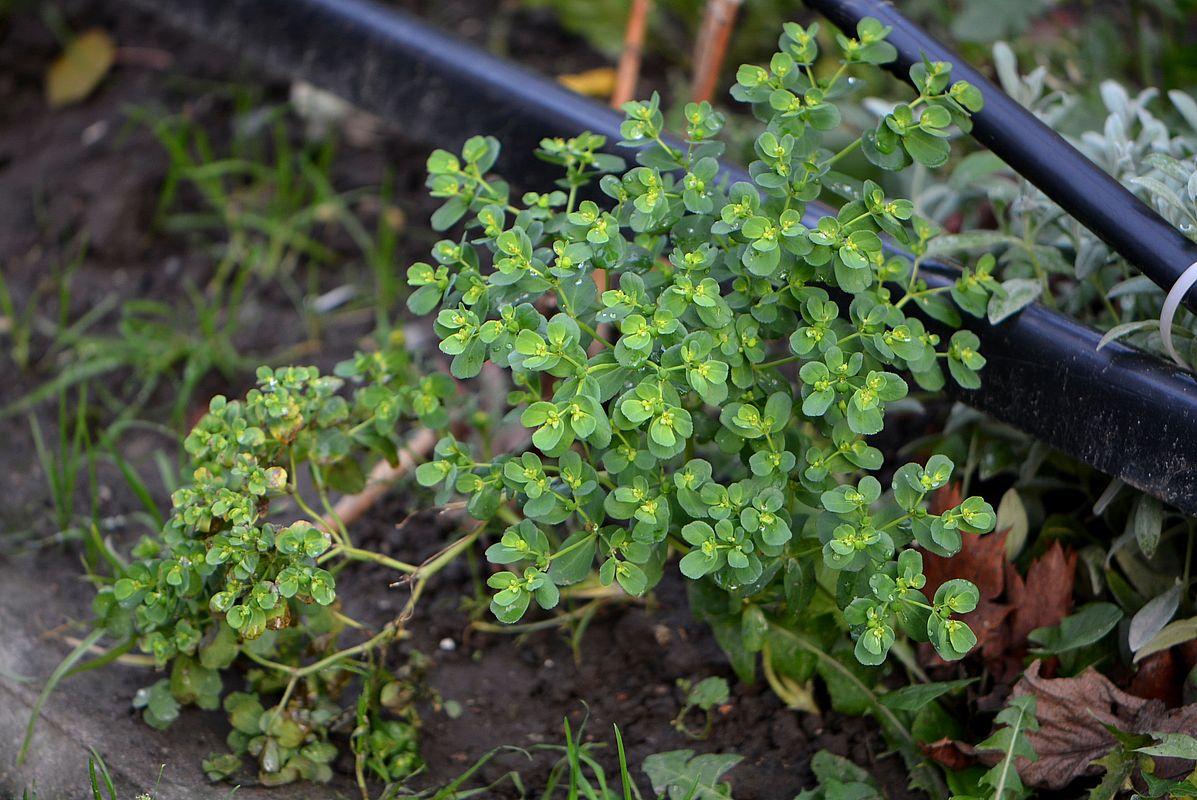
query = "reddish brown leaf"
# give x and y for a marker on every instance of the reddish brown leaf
(981, 560)
(990, 622)
(1045, 597)
(1188, 654)
(945, 497)
(1072, 713)
(1160, 677)
(951, 753)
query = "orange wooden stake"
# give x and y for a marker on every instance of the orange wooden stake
(710, 49)
(628, 74)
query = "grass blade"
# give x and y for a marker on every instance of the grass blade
(57, 675)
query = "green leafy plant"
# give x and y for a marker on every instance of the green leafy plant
(713, 399)
(1017, 719)
(221, 581)
(663, 410)
(839, 779)
(1133, 761)
(703, 696)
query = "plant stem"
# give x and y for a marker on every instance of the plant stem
(847, 150)
(357, 554)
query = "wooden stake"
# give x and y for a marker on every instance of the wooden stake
(628, 74)
(352, 507)
(710, 49)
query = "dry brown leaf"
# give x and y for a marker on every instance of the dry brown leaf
(1159, 677)
(598, 82)
(1072, 713)
(982, 560)
(1045, 597)
(946, 497)
(75, 74)
(950, 753)
(1010, 606)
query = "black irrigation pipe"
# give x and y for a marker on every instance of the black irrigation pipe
(1124, 412)
(1095, 198)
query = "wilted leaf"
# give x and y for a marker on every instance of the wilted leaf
(1010, 606)
(1160, 676)
(982, 560)
(76, 73)
(951, 753)
(1073, 714)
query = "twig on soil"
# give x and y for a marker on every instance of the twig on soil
(350, 508)
(710, 48)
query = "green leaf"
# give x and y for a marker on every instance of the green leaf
(1087, 625)
(1174, 633)
(928, 150)
(1016, 294)
(1012, 517)
(708, 693)
(681, 775)
(1152, 617)
(1171, 745)
(448, 214)
(912, 698)
(575, 565)
(951, 244)
(696, 563)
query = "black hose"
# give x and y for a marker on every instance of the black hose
(1095, 198)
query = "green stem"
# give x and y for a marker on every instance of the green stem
(574, 546)
(357, 554)
(779, 362)
(594, 334)
(924, 293)
(847, 150)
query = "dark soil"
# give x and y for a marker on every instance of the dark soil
(517, 690)
(86, 171)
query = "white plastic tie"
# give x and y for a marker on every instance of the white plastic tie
(1171, 305)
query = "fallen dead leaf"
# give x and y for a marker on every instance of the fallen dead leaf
(982, 560)
(75, 74)
(598, 82)
(1159, 677)
(1045, 596)
(1010, 605)
(1073, 713)
(950, 753)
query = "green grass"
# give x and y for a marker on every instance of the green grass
(265, 210)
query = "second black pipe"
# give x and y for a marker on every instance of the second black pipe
(1032, 149)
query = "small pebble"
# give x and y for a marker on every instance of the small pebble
(448, 645)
